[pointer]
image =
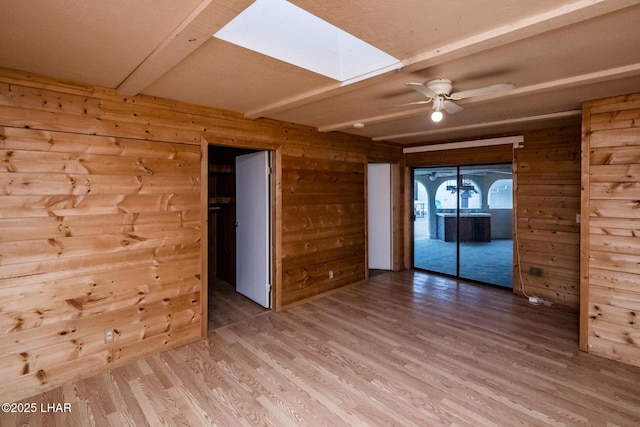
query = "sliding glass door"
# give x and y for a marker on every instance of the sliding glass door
(463, 222)
(435, 215)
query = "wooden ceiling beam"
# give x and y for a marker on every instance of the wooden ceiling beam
(195, 30)
(549, 86)
(566, 14)
(530, 119)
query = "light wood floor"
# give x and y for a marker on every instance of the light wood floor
(227, 306)
(404, 349)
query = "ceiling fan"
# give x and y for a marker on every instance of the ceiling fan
(439, 91)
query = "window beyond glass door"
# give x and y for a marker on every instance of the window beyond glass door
(463, 222)
(435, 206)
(485, 229)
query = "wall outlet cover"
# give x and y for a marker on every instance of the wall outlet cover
(535, 271)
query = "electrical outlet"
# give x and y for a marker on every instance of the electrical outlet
(578, 218)
(331, 274)
(535, 271)
(108, 335)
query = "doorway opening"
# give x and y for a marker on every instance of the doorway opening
(462, 222)
(239, 223)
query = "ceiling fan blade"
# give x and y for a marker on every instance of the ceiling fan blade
(503, 87)
(451, 107)
(416, 103)
(419, 87)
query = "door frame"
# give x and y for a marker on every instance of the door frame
(256, 166)
(276, 221)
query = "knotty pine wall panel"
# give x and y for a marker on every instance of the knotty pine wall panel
(547, 200)
(465, 156)
(101, 224)
(127, 215)
(323, 226)
(610, 272)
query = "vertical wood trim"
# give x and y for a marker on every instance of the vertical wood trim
(204, 237)
(276, 211)
(366, 221)
(584, 229)
(518, 285)
(397, 206)
(406, 221)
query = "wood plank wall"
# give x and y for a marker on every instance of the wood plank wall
(101, 223)
(323, 212)
(320, 221)
(610, 259)
(546, 201)
(95, 233)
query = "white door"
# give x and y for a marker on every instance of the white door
(253, 241)
(379, 216)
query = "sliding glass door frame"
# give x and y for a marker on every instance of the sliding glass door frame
(468, 210)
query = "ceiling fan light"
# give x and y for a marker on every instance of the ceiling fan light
(436, 116)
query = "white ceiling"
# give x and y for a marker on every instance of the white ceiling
(557, 53)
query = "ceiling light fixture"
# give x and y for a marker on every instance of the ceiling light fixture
(438, 104)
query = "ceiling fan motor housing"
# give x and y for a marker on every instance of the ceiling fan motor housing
(440, 86)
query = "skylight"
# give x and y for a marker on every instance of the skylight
(286, 32)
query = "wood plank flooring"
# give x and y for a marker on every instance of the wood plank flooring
(227, 306)
(403, 349)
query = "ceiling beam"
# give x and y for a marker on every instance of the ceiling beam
(195, 30)
(553, 85)
(541, 117)
(323, 92)
(566, 14)
(516, 141)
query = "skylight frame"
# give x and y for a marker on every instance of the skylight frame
(286, 32)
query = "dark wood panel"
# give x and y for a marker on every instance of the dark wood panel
(466, 156)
